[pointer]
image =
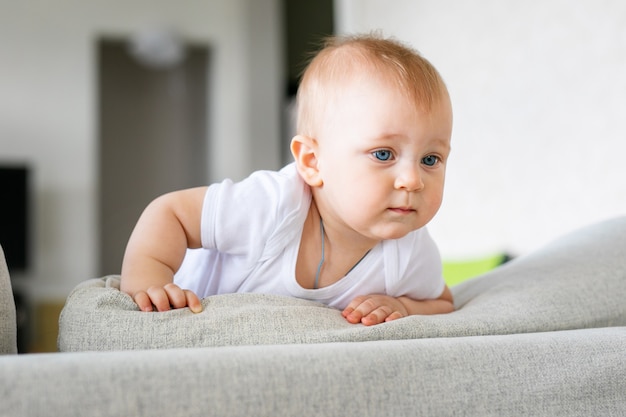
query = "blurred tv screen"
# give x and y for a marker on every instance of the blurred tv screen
(15, 216)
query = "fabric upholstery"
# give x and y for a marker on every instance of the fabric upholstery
(576, 282)
(569, 373)
(8, 329)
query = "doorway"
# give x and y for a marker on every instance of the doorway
(153, 137)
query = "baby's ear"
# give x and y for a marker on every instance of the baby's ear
(304, 150)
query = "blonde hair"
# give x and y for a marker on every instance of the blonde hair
(343, 58)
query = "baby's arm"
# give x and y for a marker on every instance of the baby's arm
(156, 248)
(378, 308)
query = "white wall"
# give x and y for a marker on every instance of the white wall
(539, 95)
(48, 107)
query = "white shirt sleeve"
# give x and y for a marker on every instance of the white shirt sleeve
(241, 218)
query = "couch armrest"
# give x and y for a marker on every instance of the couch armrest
(568, 373)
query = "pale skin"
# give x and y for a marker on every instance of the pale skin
(372, 178)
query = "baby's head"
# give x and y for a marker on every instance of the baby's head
(374, 127)
(343, 59)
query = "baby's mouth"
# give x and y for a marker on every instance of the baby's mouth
(402, 210)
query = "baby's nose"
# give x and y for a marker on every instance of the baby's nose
(409, 179)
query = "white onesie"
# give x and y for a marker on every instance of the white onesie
(251, 233)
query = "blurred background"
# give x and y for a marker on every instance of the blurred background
(105, 104)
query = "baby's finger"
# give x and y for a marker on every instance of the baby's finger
(353, 306)
(176, 296)
(377, 316)
(143, 301)
(159, 298)
(193, 301)
(365, 306)
(353, 316)
(356, 302)
(394, 316)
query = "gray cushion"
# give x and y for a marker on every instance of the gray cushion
(576, 282)
(8, 330)
(570, 373)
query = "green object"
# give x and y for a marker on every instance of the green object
(455, 272)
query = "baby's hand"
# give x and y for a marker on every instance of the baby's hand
(374, 309)
(167, 297)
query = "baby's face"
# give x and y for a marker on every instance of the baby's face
(382, 163)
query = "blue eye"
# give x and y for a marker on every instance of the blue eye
(430, 160)
(383, 154)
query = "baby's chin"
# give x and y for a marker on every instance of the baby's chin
(397, 231)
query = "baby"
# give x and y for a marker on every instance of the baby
(344, 224)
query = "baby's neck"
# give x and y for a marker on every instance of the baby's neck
(322, 264)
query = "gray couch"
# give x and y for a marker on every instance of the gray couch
(543, 335)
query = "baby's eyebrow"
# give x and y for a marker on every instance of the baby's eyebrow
(387, 137)
(445, 143)
(384, 138)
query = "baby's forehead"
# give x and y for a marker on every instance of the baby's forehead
(343, 90)
(410, 74)
(383, 109)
